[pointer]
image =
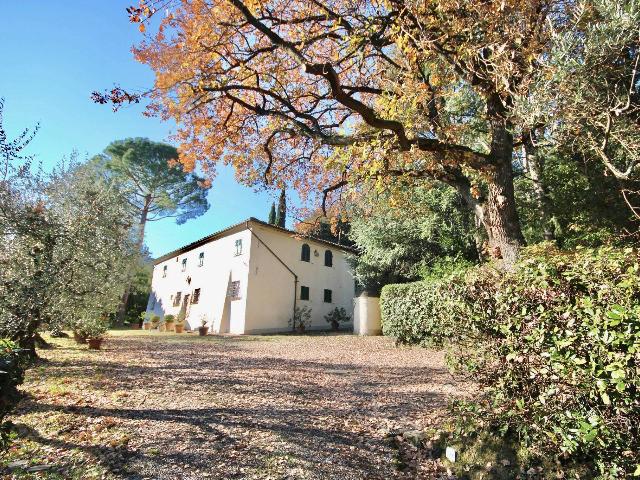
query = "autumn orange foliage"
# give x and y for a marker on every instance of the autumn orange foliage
(329, 95)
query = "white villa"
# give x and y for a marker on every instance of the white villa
(249, 277)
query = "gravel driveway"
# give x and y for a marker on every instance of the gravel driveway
(184, 407)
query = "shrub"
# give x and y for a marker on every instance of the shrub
(337, 316)
(554, 347)
(91, 327)
(169, 318)
(422, 313)
(301, 319)
(12, 366)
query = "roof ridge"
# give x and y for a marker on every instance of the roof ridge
(221, 233)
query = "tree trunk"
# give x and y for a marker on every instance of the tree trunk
(535, 165)
(496, 214)
(41, 343)
(122, 309)
(143, 222)
(499, 214)
(42, 258)
(479, 237)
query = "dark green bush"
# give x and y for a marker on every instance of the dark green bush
(12, 365)
(554, 346)
(336, 317)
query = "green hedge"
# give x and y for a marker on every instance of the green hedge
(422, 313)
(555, 346)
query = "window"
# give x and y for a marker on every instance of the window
(176, 299)
(201, 259)
(164, 271)
(305, 255)
(184, 264)
(328, 258)
(327, 295)
(196, 296)
(304, 293)
(238, 247)
(234, 290)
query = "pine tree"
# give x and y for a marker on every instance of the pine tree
(155, 190)
(281, 216)
(272, 214)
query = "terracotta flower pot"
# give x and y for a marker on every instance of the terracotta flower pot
(203, 331)
(94, 343)
(135, 326)
(146, 326)
(169, 327)
(179, 328)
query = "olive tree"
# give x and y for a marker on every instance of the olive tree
(65, 244)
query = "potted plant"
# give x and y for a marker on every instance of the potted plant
(95, 343)
(146, 322)
(301, 319)
(155, 321)
(93, 329)
(179, 326)
(203, 329)
(169, 321)
(337, 316)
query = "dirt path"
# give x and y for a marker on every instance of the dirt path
(182, 407)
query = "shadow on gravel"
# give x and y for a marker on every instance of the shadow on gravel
(321, 413)
(211, 427)
(115, 459)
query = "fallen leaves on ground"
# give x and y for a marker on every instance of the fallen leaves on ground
(166, 406)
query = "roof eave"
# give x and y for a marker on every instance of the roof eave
(238, 227)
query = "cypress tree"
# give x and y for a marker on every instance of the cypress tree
(281, 216)
(272, 214)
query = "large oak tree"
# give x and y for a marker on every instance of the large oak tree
(328, 95)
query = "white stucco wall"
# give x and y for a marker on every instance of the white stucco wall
(366, 316)
(271, 285)
(266, 286)
(221, 266)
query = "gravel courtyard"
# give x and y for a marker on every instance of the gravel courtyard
(171, 406)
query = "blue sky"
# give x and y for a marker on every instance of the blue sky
(54, 54)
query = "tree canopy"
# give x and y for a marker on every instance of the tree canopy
(335, 97)
(406, 235)
(272, 214)
(154, 183)
(66, 245)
